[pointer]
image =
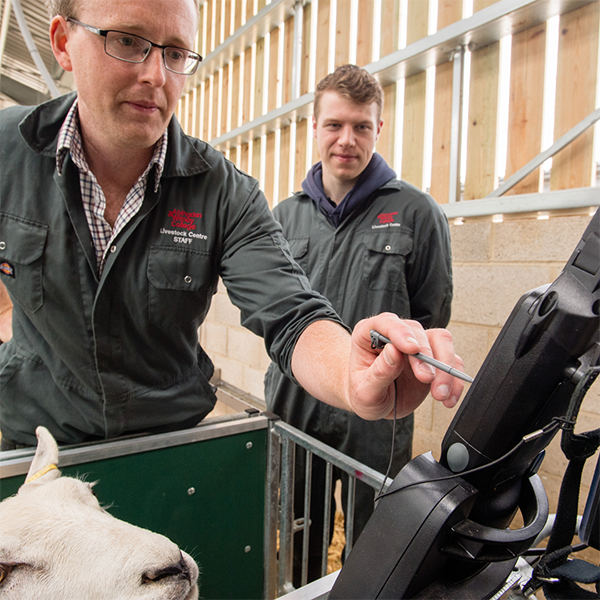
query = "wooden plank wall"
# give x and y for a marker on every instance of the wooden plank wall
(493, 263)
(335, 32)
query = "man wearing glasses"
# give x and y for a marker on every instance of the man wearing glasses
(114, 230)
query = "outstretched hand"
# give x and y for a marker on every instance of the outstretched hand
(372, 372)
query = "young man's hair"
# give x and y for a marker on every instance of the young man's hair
(66, 8)
(353, 83)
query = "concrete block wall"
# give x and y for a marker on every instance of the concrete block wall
(238, 353)
(494, 264)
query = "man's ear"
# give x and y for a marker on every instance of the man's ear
(59, 39)
(379, 126)
(314, 127)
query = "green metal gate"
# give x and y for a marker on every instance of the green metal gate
(204, 488)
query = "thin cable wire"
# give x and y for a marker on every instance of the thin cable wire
(389, 468)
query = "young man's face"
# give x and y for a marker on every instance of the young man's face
(125, 104)
(346, 133)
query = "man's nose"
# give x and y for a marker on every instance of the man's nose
(347, 136)
(153, 69)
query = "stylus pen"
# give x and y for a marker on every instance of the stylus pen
(378, 341)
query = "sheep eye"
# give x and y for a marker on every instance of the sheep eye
(5, 571)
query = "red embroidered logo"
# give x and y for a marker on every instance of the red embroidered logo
(386, 218)
(7, 269)
(184, 220)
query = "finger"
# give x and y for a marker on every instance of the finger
(445, 387)
(457, 387)
(405, 335)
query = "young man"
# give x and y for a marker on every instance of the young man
(369, 243)
(114, 230)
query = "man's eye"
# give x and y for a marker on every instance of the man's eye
(133, 44)
(128, 42)
(176, 55)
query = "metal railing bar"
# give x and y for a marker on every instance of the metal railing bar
(272, 514)
(541, 158)
(577, 198)
(327, 516)
(458, 77)
(33, 50)
(286, 548)
(306, 525)
(347, 464)
(349, 515)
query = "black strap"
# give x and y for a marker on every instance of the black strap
(568, 574)
(555, 572)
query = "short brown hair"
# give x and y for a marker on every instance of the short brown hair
(66, 8)
(353, 83)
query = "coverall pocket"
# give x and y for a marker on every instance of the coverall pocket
(181, 284)
(22, 245)
(385, 260)
(299, 250)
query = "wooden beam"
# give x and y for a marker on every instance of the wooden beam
(413, 137)
(449, 11)
(525, 114)
(575, 95)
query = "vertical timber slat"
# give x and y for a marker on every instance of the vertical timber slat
(413, 139)
(449, 11)
(364, 42)
(288, 55)
(481, 176)
(216, 106)
(284, 164)
(525, 114)
(273, 69)
(235, 92)
(225, 99)
(207, 107)
(259, 78)
(218, 22)
(385, 144)
(305, 61)
(573, 166)
(300, 150)
(247, 86)
(342, 33)
(270, 159)
(390, 26)
(322, 58)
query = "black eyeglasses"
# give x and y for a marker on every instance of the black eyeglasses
(135, 49)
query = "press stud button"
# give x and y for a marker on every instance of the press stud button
(187, 279)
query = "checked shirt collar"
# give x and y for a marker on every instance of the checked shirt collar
(94, 201)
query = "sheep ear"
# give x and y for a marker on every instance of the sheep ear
(44, 465)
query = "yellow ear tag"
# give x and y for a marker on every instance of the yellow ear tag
(41, 472)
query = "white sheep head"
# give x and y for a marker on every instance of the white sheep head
(57, 542)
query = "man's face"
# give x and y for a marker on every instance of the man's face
(123, 104)
(346, 133)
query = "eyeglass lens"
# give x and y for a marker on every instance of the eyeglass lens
(135, 49)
